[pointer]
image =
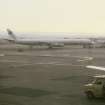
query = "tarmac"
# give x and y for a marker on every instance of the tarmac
(48, 76)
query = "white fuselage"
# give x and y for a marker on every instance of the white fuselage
(52, 41)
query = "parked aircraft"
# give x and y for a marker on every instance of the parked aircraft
(96, 67)
(50, 42)
(98, 42)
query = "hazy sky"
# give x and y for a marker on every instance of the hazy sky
(84, 16)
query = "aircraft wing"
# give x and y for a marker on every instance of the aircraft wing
(96, 67)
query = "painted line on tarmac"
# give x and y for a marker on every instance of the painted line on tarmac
(96, 67)
(12, 61)
(48, 55)
(25, 62)
(21, 63)
(59, 64)
(85, 59)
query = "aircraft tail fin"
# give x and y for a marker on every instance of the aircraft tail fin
(11, 34)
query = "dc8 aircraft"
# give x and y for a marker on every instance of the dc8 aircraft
(50, 42)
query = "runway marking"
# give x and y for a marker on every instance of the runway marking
(26, 63)
(49, 55)
(59, 64)
(96, 67)
(85, 59)
(11, 61)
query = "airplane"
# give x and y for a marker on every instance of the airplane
(98, 42)
(50, 42)
(95, 67)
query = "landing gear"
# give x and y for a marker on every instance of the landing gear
(20, 50)
(87, 46)
(30, 47)
(50, 47)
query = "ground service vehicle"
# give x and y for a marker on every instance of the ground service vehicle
(96, 88)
